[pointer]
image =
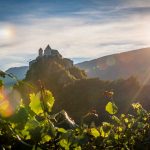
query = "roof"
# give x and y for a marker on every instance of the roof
(48, 47)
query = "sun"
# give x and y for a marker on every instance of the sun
(7, 33)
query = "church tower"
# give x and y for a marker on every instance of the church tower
(40, 52)
(48, 51)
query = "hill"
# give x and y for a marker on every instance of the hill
(54, 72)
(122, 65)
(18, 72)
(72, 90)
(76, 93)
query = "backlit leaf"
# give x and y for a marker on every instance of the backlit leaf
(62, 130)
(64, 143)
(49, 100)
(111, 108)
(95, 132)
(35, 103)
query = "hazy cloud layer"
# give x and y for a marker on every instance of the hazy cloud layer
(78, 29)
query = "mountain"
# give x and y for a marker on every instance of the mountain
(72, 90)
(76, 93)
(121, 65)
(54, 71)
(18, 72)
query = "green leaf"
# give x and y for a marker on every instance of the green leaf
(48, 100)
(30, 125)
(120, 129)
(95, 132)
(64, 143)
(106, 127)
(35, 103)
(77, 148)
(116, 119)
(62, 130)
(46, 138)
(136, 105)
(111, 108)
(19, 118)
(32, 130)
(103, 133)
(126, 120)
(116, 136)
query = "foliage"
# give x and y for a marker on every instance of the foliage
(111, 108)
(32, 127)
(66, 84)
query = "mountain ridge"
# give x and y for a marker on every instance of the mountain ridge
(112, 54)
(120, 65)
(18, 72)
(92, 69)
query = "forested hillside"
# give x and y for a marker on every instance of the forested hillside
(121, 65)
(72, 89)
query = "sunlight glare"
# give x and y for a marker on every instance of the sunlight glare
(5, 107)
(7, 32)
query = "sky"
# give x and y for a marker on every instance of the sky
(79, 29)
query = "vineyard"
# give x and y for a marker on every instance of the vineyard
(34, 127)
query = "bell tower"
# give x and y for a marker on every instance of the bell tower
(48, 51)
(40, 52)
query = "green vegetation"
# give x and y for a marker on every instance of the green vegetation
(72, 89)
(30, 117)
(33, 127)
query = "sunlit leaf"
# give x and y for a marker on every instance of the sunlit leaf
(30, 125)
(126, 120)
(26, 134)
(64, 143)
(77, 148)
(120, 129)
(111, 108)
(106, 127)
(46, 138)
(62, 130)
(95, 132)
(102, 133)
(136, 105)
(116, 119)
(116, 136)
(35, 103)
(49, 100)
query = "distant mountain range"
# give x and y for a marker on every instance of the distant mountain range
(122, 65)
(73, 90)
(111, 67)
(18, 72)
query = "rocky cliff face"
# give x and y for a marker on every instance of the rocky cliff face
(54, 72)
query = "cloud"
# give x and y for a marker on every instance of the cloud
(88, 33)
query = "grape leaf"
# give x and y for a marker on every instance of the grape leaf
(35, 103)
(95, 132)
(111, 108)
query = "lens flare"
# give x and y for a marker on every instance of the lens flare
(7, 32)
(5, 108)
